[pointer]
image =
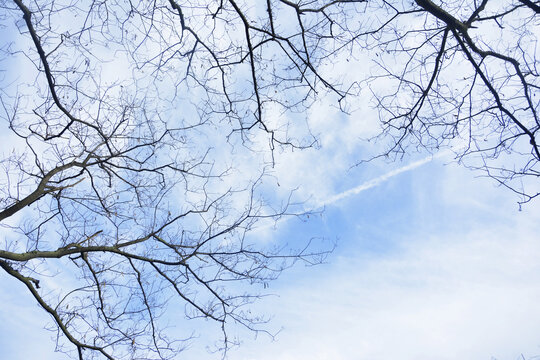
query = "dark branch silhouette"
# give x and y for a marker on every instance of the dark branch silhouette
(117, 114)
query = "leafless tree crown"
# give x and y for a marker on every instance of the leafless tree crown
(115, 114)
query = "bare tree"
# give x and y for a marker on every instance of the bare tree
(462, 74)
(115, 179)
(116, 200)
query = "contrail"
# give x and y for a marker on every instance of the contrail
(376, 182)
(358, 189)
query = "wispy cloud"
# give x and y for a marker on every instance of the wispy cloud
(452, 290)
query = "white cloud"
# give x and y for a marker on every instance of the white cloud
(469, 293)
(469, 298)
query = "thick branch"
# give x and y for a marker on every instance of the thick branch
(40, 191)
(441, 14)
(28, 282)
(531, 5)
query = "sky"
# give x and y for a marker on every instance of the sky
(432, 262)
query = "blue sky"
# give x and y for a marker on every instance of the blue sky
(432, 263)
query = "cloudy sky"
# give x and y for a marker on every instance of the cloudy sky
(432, 262)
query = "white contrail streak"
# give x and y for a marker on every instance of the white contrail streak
(358, 189)
(375, 182)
